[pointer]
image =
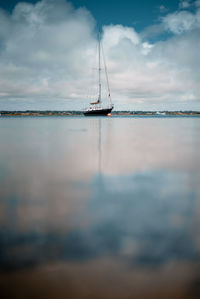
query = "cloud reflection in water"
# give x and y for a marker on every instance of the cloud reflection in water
(113, 198)
(144, 219)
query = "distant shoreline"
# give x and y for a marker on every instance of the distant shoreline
(114, 113)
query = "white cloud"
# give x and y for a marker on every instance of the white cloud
(182, 21)
(47, 42)
(162, 9)
(47, 54)
(115, 34)
(197, 3)
(185, 4)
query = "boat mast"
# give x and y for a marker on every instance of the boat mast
(104, 61)
(99, 100)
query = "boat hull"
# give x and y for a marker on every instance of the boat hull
(99, 112)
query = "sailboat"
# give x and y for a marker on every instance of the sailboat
(96, 107)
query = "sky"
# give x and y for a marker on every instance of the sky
(48, 53)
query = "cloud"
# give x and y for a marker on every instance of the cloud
(162, 9)
(185, 4)
(47, 56)
(197, 3)
(166, 70)
(44, 48)
(182, 21)
(115, 226)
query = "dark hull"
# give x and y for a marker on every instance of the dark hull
(100, 112)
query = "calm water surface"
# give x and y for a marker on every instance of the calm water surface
(99, 207)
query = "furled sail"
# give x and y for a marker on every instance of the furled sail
(95, 103)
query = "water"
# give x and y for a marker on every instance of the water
(100, 207)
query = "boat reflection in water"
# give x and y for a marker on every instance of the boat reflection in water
(93, 212)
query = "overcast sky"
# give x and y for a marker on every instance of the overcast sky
(48, 53)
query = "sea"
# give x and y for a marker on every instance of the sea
(100, 207)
